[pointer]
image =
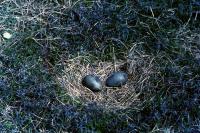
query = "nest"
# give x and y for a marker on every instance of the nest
(139, 66)
(74, 71)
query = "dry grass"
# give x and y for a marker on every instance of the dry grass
(118, 98)
(139, 66)
(156, 43)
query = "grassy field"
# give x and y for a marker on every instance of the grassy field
(48, 46)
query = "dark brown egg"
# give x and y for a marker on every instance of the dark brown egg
(92, 82)
(117, 79)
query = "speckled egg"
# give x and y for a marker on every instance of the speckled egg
(117, 79)
(92, 82)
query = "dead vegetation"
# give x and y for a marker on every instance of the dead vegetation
(55, 43)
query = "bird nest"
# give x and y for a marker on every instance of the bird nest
(119, 97)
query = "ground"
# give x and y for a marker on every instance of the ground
(47, 47)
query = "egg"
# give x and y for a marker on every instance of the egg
(92, 82)
(117, 79)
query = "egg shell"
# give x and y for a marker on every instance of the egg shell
(92, 82)
(7, 35)
(117, 79)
